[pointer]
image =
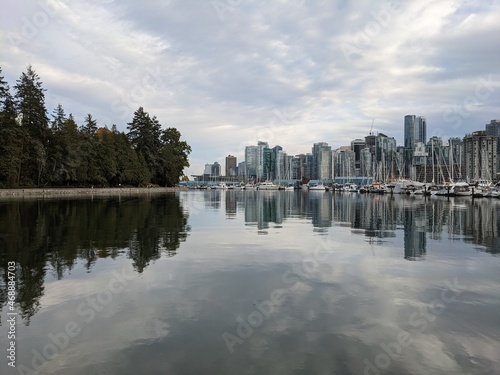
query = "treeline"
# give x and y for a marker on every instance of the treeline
(36, 150)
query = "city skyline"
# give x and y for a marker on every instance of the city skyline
(230, 73)
(413, 152)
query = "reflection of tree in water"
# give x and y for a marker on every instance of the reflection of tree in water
(49, 237)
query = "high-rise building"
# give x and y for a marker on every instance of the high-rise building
(261, 146)
(415, 132)
(420, 129)
(409, 131)
(208, 169)
(480, 152)
(251, 161)
(322, 161)
(357, 146)
(231, 165)
(456, 158)
(242, 169)
(216, 169)
(384, 157)
(343, 164)
(493, 128)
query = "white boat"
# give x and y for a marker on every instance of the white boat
(290, 187)
(406, 186)
(351, 188)
(316, 186)
(378, 188)
(414, 190)
(220, 185)
(267, 185)
(460, 189)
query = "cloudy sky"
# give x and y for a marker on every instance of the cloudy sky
(228, 73)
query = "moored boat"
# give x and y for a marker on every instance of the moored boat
(267, 185)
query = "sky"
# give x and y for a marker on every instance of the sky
(230, 73)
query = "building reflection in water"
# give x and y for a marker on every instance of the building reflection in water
(378, 217)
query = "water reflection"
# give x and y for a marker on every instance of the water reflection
(337, 305)
(374, 216)
(49, 237)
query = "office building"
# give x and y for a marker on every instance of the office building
(231, 166)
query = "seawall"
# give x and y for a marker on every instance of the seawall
(84, 192)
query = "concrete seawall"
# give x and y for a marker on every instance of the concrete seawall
(84, 192)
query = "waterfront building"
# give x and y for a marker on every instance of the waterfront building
(480, 156)
(322, 161)
(231, 166)
(415, 131)
(208, 170)
(242, 169)
(357, 146)
(493, 130)
(216, 169)
(251, 161)
(366, 163)
(384, 152)
(296, 167)
(308, 166)
(456, 158)
(343, 167)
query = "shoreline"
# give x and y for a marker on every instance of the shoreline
(84, 192)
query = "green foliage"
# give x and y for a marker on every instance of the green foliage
(64, 154)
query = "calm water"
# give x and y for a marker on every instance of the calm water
(235, 282)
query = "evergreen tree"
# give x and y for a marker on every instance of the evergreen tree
(72, 144)
(89, 169)
(144, 134)
(89, 126)
(107, 155)
(173, 157)
(56, 148)
(131, 166)
(30, 102)
(11, 138)
(58, 118)
(30, 105)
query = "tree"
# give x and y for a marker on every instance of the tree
(89, 169)
(144, 135)
(11, 138)
(58, 118)
(30, 105)
(89, 126)
(173, 157)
